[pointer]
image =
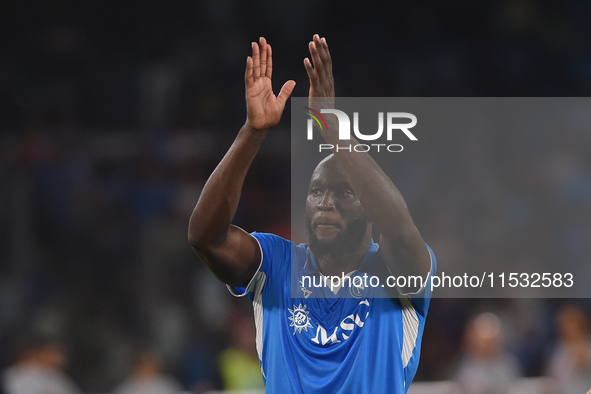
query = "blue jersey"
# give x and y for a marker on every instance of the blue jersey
(366, 342)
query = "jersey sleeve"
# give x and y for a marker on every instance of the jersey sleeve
(422, 298)
(275, 252)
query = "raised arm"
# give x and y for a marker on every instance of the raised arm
(400, 241)
(232, 254)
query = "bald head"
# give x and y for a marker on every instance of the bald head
(330, 167)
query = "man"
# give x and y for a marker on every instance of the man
(368, 342)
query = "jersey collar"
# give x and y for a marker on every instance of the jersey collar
(311, 265)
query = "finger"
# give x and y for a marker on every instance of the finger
(248, 77)
(311, 72)
(269, 61)
(319, 45)
(321, 53)
(316, 39)
(325, 45)
(263, 44)
(316, 58)
(285, 92)
(256, 59)
(326, 59)
(322, 49)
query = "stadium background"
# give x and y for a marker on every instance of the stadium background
(113, 114)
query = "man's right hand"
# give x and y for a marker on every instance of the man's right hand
(263, 108)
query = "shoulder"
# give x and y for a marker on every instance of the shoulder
(274, 247)
(271, 241)
(276, 256)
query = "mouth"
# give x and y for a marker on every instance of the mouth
(324, 227)
(325, 222)
(326, 230)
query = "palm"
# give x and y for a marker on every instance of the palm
(264, 109)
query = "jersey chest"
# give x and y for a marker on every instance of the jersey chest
(335, 324)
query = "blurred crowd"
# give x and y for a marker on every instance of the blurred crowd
(113, 115)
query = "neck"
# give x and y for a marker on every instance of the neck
(342, 264)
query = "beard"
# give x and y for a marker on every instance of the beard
(344, 242)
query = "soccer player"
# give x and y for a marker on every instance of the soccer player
(360, 339)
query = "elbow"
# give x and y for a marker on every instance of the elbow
(204, 239)
(206, 234)
(197, 238)
(199, 233)
(194, 241)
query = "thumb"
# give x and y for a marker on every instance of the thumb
(286, 92)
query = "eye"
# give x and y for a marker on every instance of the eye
(345, 192)
(315, 192)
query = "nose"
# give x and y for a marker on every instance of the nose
(326, 203)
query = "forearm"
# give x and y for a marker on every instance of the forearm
(400, 240)
(213, 214)
(380, 199)
(378, 195)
